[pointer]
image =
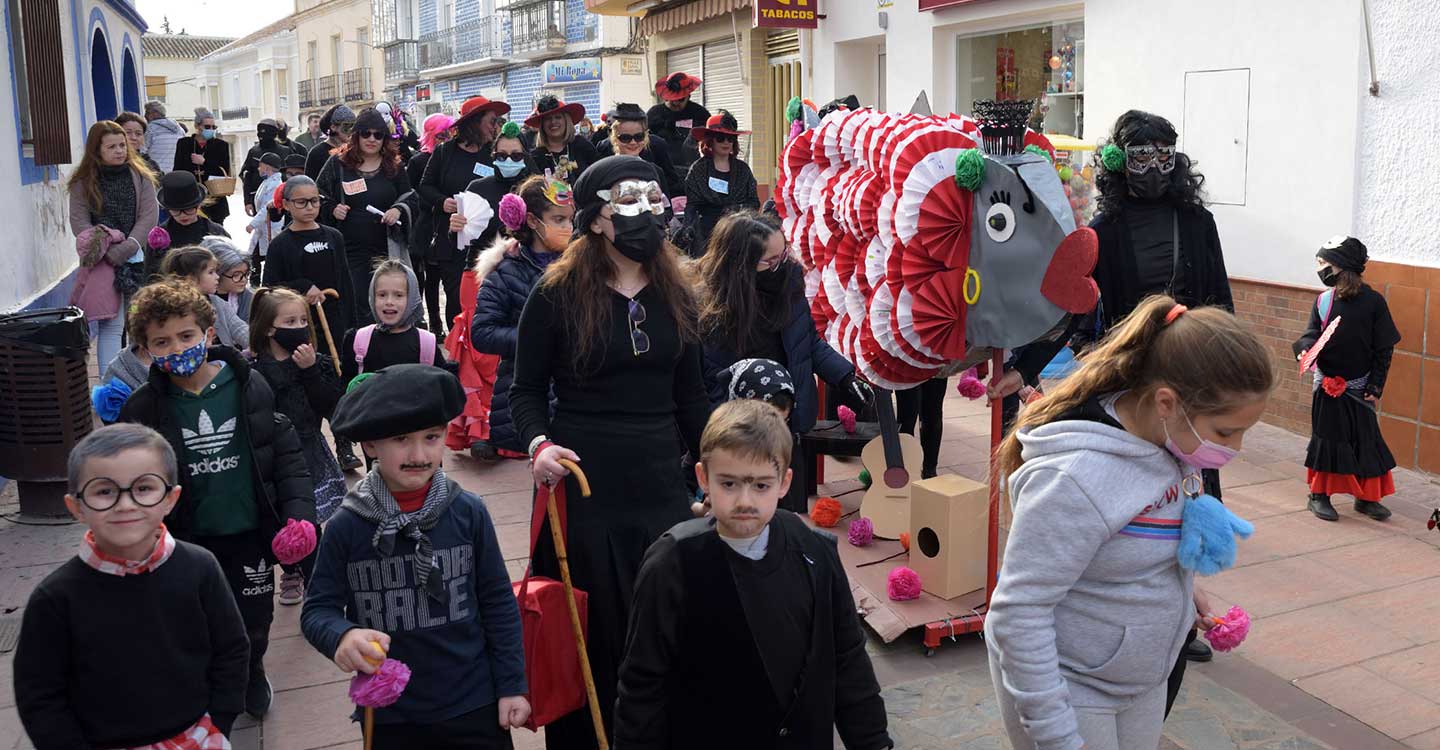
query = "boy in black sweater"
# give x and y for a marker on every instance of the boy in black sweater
(136, 640)
(241, 467)
(747, 604)
(411, 564)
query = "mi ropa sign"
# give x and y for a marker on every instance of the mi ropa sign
(785, 14)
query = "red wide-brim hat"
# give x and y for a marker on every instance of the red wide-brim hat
(576, 112)
(676, 86)
(477, 106)
(723, 124)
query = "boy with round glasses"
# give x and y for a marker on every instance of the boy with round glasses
(135, 642)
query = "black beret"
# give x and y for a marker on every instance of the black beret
(397, 400)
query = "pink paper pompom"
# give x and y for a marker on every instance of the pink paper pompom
(1230, 631)
(158, 239)
(903, 584)
(970, 386)
(382, 688)
(295, 542)
(512, 211)
(862, 532)
(847, 419)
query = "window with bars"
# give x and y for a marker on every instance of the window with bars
(36, 57)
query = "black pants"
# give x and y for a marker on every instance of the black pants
(477, 730)
(924, 403)
(362, 267)
(244, 560)
(450, 275)
(431, 285)
(256, 261)
(1177, 675)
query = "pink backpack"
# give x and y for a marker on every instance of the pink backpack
(362, 345)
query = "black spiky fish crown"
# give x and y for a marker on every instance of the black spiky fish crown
(1002, 124)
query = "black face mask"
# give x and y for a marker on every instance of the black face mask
(1150, 185)
(638, 238)
(292, 338)
(1328, 276)
(267, 135)
(773, 281)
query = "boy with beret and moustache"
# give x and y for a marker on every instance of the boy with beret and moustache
(749, 606)
(411, 564)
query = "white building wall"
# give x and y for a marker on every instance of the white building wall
(35, 216)
(1398, 154)
(182, 87)
(1321, 156)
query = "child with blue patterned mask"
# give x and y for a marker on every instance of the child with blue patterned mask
(174, 324)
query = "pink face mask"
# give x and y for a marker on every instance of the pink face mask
(1209, 455)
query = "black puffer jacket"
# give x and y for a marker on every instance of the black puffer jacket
(494, 330)
(304, 395)
(280, 470)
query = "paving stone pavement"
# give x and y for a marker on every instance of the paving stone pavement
(1344, 651)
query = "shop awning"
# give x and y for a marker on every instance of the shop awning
(669, 19)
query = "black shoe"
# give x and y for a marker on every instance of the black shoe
(259, 695)
(482, 451)
(345, 452)
(1197, 651)
(1321, 507)
(1377, 511)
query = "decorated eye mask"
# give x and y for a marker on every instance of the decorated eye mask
(634, 197)
(1141, 159)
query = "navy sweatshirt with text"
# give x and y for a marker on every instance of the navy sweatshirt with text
(464, 653)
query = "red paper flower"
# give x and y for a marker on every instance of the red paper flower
(1334, 386)
(903, 584)
(382, 688)
(905, 540)
(970, 386)
(826, 512)
(847, 419)
(1229, 631)
(295, 542)
(862, 532)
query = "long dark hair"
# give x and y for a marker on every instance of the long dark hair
(578, 283)
(350, 155)
(1137, 128)
(730, 306)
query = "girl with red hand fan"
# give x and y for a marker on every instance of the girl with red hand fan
(1347, 453)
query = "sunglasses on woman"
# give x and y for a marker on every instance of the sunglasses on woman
(722, 138)
(629, 137)
(374, 135)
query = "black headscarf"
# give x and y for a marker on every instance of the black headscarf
(1345, 253)
(601, 176)
(762, 379)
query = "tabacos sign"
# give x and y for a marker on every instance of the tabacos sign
(785, 14)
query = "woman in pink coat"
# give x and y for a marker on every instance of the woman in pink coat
(112, 209)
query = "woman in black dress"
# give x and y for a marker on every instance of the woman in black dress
(205, 155)
(363, 193)
(1347, 453)
(557, 147)
(719, 182)
(752, 306)
(612, 327)
(422, 229)
(452, 168)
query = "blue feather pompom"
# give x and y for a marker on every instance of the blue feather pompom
(1207, 535)
(107, 399)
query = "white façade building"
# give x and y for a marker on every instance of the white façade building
(66, 64)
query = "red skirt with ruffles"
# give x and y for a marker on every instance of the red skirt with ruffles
(1373, 489)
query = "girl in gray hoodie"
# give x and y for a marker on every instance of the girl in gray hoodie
(1092, 604)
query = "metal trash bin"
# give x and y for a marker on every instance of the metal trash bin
(44, 402)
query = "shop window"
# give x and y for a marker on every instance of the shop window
(36, 57)
(1045, 63)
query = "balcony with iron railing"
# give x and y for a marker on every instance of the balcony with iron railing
(235, 113)
(307, 95)
(357, 85)
(327, 90)
(402, 62)
(476, 41)
(537, 28)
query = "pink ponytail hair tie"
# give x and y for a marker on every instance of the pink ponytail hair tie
(1175, 312)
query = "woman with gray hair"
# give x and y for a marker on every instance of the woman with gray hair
(205, 155)
(161, 135)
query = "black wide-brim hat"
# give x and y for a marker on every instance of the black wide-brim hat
(626, 112)
(550, 105)
(180, 190)
(398, 400)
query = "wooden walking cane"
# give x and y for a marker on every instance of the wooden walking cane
(558, 535)
(325, 326)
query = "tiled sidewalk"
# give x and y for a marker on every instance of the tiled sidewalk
(1346, 611)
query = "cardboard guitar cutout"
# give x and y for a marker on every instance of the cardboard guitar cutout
(893, 460)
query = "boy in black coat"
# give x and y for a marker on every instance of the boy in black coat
(750, 602)
(241, 468)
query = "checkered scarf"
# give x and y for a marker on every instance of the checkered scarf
(115, 566)
(203, 735)
(372, 501)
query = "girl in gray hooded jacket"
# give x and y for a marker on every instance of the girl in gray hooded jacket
(1093, 603)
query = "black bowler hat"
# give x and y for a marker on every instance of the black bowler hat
(180, 190)
(273, 159)
(397, 400)
(295, 161)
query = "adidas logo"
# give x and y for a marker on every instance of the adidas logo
(205, 439)
(260, 574)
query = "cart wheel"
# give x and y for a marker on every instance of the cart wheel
(929, 652)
